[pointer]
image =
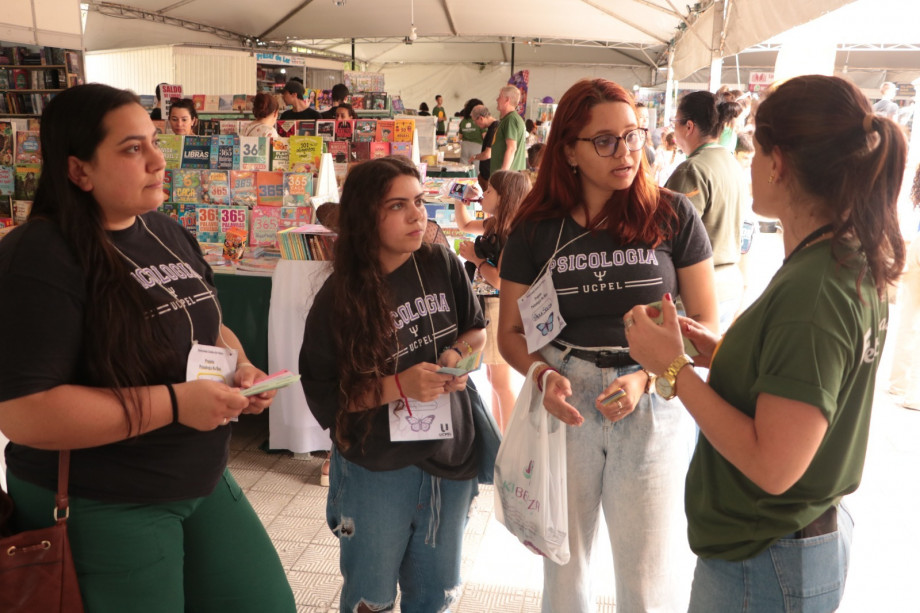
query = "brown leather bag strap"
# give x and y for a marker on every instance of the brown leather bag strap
(61, 501)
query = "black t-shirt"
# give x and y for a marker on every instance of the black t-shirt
(330, 112)
(43, 298)
(307, 113)
(453, 309)
(485, 166)
(598, 279)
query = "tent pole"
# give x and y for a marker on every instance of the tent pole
(512, 57)
(353, 65)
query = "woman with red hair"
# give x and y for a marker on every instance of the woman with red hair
(609, 239)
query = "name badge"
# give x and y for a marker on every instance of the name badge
(211, 363)
(428, 421)
(539, 307)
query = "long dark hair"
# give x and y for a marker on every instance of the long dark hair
(638, 213)
(706, 112)
(844, 156)
(512, 187)
(467, 109)
(366, 340)
(73, 124)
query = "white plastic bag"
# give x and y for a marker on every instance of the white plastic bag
(530, 477)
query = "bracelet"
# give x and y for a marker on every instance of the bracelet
(460, 353)
(241, 364)
(401, 394)
(541, 379)
(469, 348)
(174, 402)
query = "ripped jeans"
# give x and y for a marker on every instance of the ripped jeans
(397, 526)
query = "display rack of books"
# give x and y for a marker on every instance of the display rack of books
(30, 75)
(20, 167)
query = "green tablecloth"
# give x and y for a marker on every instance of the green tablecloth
(244, 302)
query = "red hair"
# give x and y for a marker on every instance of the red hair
(636, 214)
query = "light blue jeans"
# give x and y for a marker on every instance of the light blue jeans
(402, 526)
(792, 576)
(635, 470)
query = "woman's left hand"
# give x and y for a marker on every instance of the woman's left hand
(245, 376)
(653, 345)
(634, 386)
(468, 253)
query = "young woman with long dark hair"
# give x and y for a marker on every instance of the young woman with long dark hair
(784, 415)
(113, 306)
(392, 314)
(610, 239)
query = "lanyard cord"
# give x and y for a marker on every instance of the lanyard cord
(172, 292)
(558, 248)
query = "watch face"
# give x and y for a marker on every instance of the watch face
(664, 388)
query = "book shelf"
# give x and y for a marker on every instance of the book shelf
(30, 75)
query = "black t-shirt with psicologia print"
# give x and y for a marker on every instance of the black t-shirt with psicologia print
(438, 293)
(598, 279)
(43, 297)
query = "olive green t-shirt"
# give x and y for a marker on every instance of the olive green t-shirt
(470, 131)
(810, 338)
(511, 127)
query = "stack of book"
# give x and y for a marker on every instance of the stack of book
(309, 242)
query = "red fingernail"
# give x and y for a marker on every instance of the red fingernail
(668, 296)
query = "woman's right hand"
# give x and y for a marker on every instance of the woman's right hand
(205, 405)
(702, 338)
(423, 382)
(558, 388)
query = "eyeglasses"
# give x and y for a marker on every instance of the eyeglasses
(677, 120)
(606, 145)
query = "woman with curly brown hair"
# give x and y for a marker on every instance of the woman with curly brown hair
(784, 416)
(393, 313)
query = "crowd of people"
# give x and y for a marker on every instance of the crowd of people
(639, 248)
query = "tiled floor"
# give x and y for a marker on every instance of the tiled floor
(501, 576)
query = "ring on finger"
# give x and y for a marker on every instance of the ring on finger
(620, 405)
(225, 422)
(628, 323)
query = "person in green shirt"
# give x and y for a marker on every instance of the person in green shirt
(509, 150)
(470, 133)
(439, 112)
(784, 416)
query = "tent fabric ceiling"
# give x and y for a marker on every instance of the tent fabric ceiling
(588, 32)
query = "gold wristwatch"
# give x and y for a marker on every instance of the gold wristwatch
(666, 383)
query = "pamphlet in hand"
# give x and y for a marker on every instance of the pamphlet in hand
(464, 366)
(280, 379)
(689, 349)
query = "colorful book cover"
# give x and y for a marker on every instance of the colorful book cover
(254, 153)
(402, 130)
(325, 128)
(379, 150)
(401, 149)
(208, 127)
(305, 153)
(208, 224)
(28, 147)
(26, 181)
(170, 209)
(196, 152)
(298, 188)
(188, 217)
(239, 103)
(7, 181)
(365, 130)
(378, 101)
(6, 143)
(243, 188)
(361, 151)
(265, 223)
(270, 186)
(339, 151)
(286, 128)
(199, 101)
(167, 185)
(385, 128)
(232, 217)
(306, 127)
(229, 126)
(171, 147)
(295, 216)
(281, 154)
(186, 186)
(224, 103)
(215, 187)
(211, 103)
(225, 152)
(344, 129)
(357, 102)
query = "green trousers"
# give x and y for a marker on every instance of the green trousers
(202, 555)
